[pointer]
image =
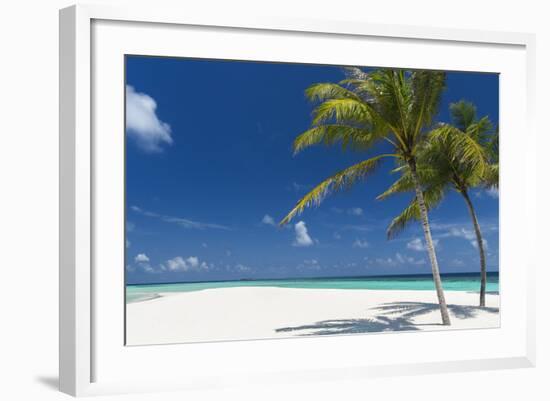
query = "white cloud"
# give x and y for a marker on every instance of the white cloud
(299, 187)
(389, 261)
(128, 243)
(267, 219)
(302, 236)
(396, 261)
(238, 268)
(337, 235)
(309, 264)
(186, 223)
(142, 261)
(182, 222)
(177, 264)
(242, 268)
(458, 230)
(416, 244)
(360, 244)
(357, 227)
(404, 259)
(492, 192)
(143, 124)
(147, 268)
(192, 263)
(141, 258)
(355, 211)
(457, 263)
(400, 258)
(468, 235)
(485, 244)
(462, 233)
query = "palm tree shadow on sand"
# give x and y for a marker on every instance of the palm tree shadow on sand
(385, 321)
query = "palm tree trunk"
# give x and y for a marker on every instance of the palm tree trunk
(479, 238)
(430, 245)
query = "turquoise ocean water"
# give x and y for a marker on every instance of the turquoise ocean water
(451, 282)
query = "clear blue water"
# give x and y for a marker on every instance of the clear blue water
(451, 282)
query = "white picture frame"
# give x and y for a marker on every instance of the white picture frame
(94, 361)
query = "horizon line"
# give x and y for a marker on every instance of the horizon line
(310, 278)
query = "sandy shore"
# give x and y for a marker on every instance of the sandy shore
(270, 312)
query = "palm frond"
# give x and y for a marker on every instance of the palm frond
(427, 176)
(480, 129)
(491, 178)
(326, 91)
(427, 89)
(492, 146)
(461, 149)
(403, 184)
(355, 73)
(463, 114)
(346, 111)
(338, 182)
(390, 95)
(398, 224)
(432, 197)
(364, 88)
(330, 134)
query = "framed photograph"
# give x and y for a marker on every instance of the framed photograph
(263, 200)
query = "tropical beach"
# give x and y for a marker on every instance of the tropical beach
(299, 200)
(240, 313)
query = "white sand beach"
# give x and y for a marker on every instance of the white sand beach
(271, 312)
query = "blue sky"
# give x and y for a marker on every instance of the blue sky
(210, 171)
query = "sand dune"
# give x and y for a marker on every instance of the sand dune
(271, 312)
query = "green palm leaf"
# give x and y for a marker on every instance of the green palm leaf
(327, 91)
(329, 134)
(460, 148)
(338, 182)
(480, 129)
(463, 114)
(405, 182)
(492, 176)
(342, 111)
(427, 88)
(432, 197)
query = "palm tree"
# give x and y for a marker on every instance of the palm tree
(491, 178)
(384, 105)
(458, 157)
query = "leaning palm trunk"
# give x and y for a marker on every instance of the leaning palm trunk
(430, 245)
(477, 229)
